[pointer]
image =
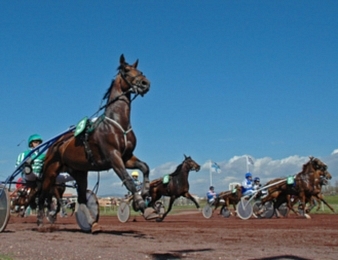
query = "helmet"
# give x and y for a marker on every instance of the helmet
(248, 174)
(256, 179)
(34, 137)
(134, 174)
(212, 188)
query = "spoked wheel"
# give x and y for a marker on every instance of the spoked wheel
(263, 211)
(269, 210)
(225, 212)
(256, 207)
(283, 209)
(244, 209)
(4, 208)
(94, 210)
(123, 212)
(207, 211)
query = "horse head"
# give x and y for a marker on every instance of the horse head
(193, 166)
(133, 80)
(319, 166)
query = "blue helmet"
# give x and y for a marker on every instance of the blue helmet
(256, 179)
(212, 188)
(248, 174)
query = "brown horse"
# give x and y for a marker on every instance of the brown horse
(306, 184)
(176, 187)
(107, 143)
(230, 197)
(319, 198)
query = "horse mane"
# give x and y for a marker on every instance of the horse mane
(177, 171)
(106, 95)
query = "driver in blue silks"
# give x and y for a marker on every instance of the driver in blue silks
(247, 185)
(211, 195)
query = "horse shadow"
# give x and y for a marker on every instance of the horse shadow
(282, 257)
(177, 254)
(124, 233)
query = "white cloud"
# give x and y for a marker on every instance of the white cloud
(335, 151)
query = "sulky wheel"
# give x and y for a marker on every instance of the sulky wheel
(4, 208)
(225, 212)
(263, 211)
(207, 211)
(283, 209)
(94, 210)
(244, 209)
(257, 207)
(269, 210)
(123, 212)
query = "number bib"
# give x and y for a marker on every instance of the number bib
(166, 179)
(81, 126)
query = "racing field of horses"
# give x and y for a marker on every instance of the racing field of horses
(187, 235)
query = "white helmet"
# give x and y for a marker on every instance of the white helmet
(134, 174)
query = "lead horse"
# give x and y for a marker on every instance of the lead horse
(177, 185)
(107, 143)
(305, 185)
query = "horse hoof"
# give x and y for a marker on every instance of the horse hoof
(96, 228)
(307, 216)
(51, 217)
(139, 204)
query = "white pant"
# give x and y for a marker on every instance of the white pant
(30, 177)
(63, 178)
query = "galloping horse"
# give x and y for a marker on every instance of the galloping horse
(107, 143)
(306, 184)
(319, 198)
(177, 186)
(230, 196)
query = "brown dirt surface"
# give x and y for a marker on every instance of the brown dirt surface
(181, 236)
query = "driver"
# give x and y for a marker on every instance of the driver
(211, 195)
(257, 183)
(37, 162)
(247, 188)
(37, 159)
(136, 181)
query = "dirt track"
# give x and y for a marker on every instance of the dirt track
(184, 236)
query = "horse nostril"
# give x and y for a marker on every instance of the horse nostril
(145, 83)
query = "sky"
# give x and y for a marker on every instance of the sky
(229, 79)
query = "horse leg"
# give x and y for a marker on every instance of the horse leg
(81, 178)
(138, 202)
(302, 200)
(44, 194)
(320, 196)
(172, 199)
(188, 196)
(135, 163)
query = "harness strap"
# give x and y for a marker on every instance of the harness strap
(88, 150)
(123, 131)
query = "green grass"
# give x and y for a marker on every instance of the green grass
(5, 257)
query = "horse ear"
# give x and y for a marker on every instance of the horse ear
(185, 157)
(135, 64)
(122, 59)
(311, 158)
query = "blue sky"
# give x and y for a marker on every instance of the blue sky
(228, 79)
